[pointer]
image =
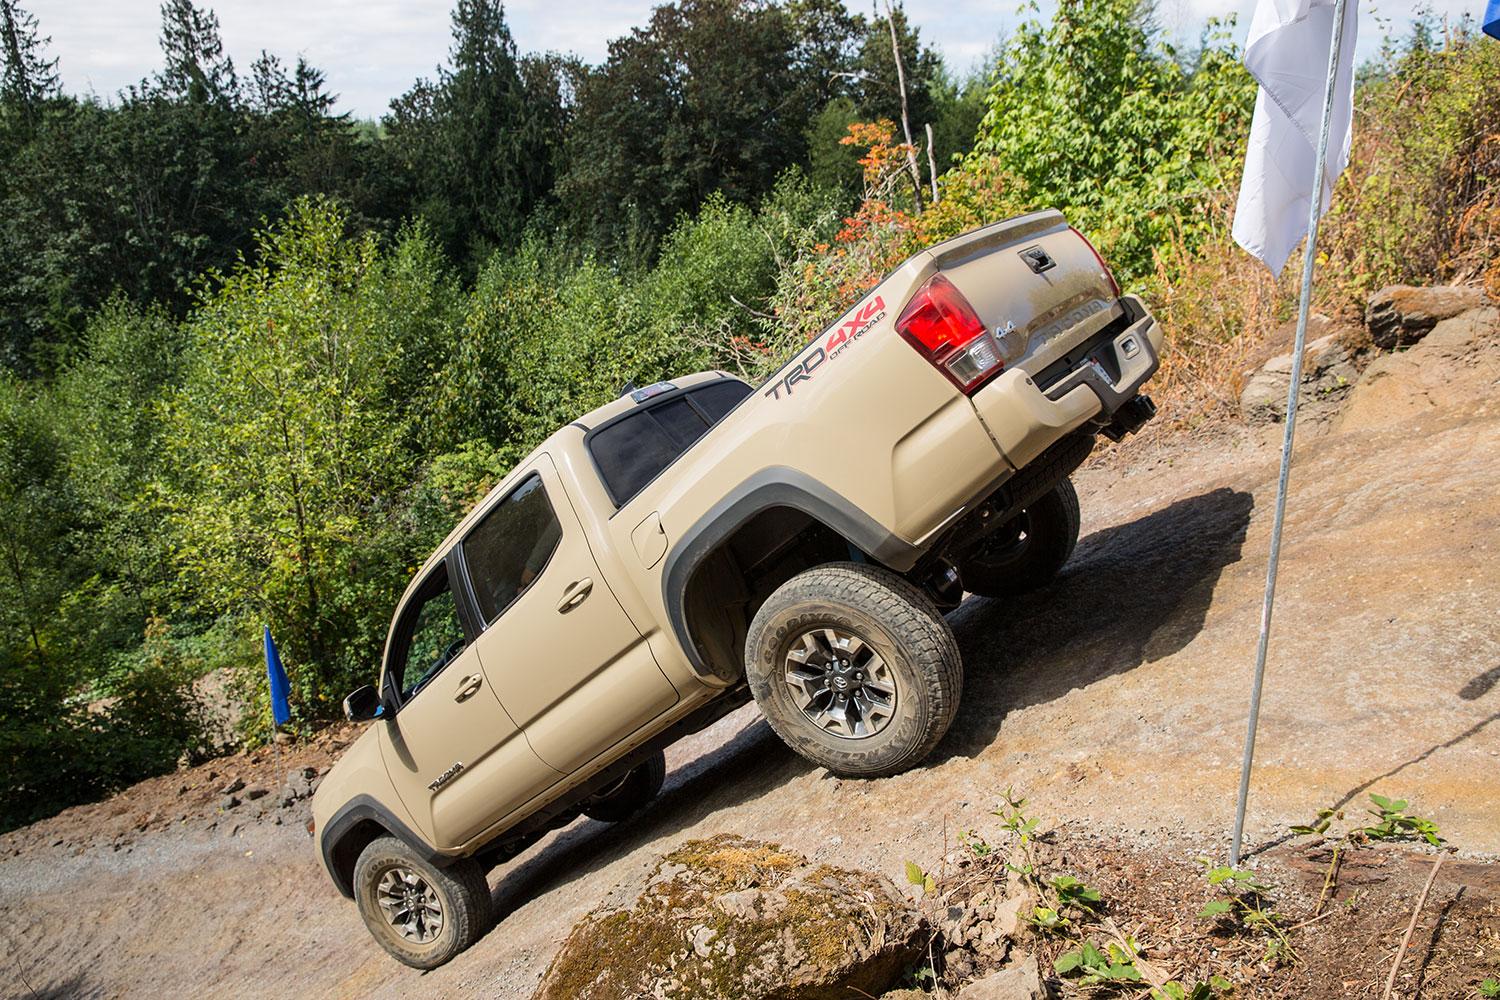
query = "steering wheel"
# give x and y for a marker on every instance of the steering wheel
(453, 649)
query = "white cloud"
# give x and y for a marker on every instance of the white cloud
(372, 50)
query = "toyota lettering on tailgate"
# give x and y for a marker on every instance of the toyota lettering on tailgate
(859, 323)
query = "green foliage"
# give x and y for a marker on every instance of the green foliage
(1489, 989)
(479, 145)
(287, 442)
(917, 877)
(707, 97)
(1112, 966)
(1175, 990)
(30, 77)
(1395, 823)
(1243, 903)
(1088, 115)
(1419, 201)
(1073, 893)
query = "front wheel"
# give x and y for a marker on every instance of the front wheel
(855, 669)
(421, 914)
(1028, 550)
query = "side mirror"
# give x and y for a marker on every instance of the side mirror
(363, 704)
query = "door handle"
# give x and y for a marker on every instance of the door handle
(467, 687)
(574, 595)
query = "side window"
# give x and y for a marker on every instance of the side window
(718, 398)
(632, 451)
(511, 546)
(430, 635)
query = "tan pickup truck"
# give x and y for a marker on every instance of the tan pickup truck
(699, 543)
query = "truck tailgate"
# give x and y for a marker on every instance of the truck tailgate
(1033, 281)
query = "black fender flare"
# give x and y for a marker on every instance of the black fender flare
(360, 809)
(776, 486)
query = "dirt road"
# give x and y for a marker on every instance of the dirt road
(1114, 699)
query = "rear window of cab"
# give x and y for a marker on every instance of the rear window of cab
(633, 449)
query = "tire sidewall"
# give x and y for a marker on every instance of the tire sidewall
(783, 629)
(377, 859)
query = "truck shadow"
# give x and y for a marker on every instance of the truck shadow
(1132, 594)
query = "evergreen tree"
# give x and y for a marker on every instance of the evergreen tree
(197, 69)
(30, 78)
(478, 142)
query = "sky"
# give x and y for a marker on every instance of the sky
(372, 50)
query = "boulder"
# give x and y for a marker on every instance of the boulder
(1401, 315)
(1328, 373)
(1020, 981)
(1452, 370)
(730, 917)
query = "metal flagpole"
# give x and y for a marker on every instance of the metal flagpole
(276, 747)
(1309, 256)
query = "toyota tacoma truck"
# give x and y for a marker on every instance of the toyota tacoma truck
(700, 543)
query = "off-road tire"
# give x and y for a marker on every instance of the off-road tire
(461, 888)
(1050, 534)
(903, 627)
(631, 794)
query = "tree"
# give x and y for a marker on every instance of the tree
(1090, 115)
(197, 68)
(290, 441)
(480, 142)
(827, 38)
(30, 77)
(707, 97)
(877, 85)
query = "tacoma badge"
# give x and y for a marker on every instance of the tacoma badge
(446, 776)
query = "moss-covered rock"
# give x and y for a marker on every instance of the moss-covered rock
(729, 917)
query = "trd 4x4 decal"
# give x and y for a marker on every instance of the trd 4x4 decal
(858, 324)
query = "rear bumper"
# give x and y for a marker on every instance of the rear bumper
(1024, 420)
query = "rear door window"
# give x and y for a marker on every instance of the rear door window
(511, 546)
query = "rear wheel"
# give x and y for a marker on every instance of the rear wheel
(421, 914)
(854, 668)
(629, 795)
(1027, 551)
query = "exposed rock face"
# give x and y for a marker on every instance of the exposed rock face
(1401, 315)
(1328, 373)
(1021, 981)
(1456, 367)
(729, 917)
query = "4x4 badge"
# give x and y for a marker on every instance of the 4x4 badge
(1010, 341)
(446, 776)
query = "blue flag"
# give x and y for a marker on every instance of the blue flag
(1492, 18)
(281, 708)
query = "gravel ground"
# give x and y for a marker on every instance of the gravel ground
(1114, 700)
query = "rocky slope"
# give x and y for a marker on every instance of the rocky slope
(1114, 700)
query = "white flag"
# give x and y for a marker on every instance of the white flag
(1287, 53)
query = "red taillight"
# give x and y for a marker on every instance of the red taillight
(1108, 274)
(945, 329)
